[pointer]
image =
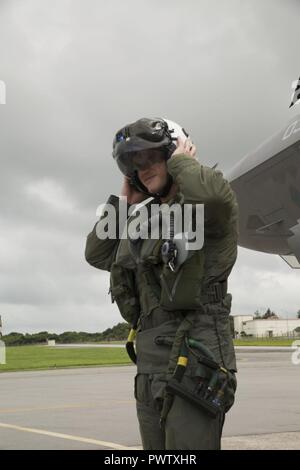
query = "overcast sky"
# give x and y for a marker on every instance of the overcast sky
(75, 72)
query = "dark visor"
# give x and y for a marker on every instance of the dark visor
(134, 161)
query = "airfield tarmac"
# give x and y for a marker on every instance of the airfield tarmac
(94, 408)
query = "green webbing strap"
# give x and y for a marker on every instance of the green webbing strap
(131, 338)
(130, 345)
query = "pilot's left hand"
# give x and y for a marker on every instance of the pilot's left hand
(185, 147)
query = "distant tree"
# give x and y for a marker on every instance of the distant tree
(14, 339)
(298, 314)
(257, 315)
(269, 314)
(69, 337)
(118, 332)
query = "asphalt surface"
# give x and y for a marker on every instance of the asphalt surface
(94, 408)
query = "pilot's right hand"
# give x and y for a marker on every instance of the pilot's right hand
(133, 195)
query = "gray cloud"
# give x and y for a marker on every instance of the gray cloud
(74, 74)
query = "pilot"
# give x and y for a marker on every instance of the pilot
(177, 302)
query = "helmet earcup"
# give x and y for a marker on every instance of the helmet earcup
(170, 149)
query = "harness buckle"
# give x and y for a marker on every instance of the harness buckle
(217, 291)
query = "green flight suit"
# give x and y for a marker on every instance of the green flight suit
(141, 267)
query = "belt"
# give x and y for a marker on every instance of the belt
(214, 293)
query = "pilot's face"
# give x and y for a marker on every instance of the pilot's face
(152, 169)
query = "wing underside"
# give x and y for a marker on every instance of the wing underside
(268, 194)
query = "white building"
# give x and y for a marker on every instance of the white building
(269, 327)
(240, 322)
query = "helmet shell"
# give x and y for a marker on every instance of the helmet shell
(145, 134)
(176, 130)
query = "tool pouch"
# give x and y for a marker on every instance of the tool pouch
(210, 387)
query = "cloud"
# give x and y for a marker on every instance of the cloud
(51, 194)
(74, 75)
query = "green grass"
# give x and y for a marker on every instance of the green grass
(43, 357)
(263, 342)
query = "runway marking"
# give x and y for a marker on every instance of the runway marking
(42, 408)
(63, 407)
(69, 437)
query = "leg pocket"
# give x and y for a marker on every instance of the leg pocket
(142, 389)
(153, 437)
(225, 340)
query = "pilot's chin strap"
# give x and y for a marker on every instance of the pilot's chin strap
(163, 193)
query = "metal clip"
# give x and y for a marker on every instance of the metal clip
(172, 265)
(111, 295)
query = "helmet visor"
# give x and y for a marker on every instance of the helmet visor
(141, 160)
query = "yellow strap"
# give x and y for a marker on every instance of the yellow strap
(182, 361)
(131, 336)
(223, 370)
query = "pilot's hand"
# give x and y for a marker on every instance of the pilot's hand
(133, 195)
(185, 147)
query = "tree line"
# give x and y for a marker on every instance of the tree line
(117, 333)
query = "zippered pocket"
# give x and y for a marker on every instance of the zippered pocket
(181, 290)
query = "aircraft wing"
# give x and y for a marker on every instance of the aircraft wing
(267, 186)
